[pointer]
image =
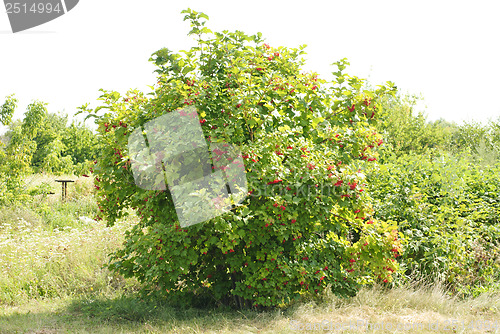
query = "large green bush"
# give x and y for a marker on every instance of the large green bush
(305, 224)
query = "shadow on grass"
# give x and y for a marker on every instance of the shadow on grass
(138, 309)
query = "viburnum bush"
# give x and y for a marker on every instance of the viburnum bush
(306, 223)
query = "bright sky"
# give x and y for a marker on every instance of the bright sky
(447, 51)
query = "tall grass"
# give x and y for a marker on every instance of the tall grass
(38, 263)
(53, 248)
(48, 211)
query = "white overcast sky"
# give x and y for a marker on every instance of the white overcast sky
(447, 51)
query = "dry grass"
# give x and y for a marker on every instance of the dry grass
(406, 307)
(403, 307)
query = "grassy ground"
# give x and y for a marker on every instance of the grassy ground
(52, 280)
(119, 313)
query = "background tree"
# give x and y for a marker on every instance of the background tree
(407, 131)
(62, 148)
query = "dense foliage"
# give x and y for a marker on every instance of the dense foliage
(306, 224)
(447, 209)
(439, 181)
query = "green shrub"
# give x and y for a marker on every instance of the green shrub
(305, 225)
(448, 209)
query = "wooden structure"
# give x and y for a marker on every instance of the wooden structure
(64, 188)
